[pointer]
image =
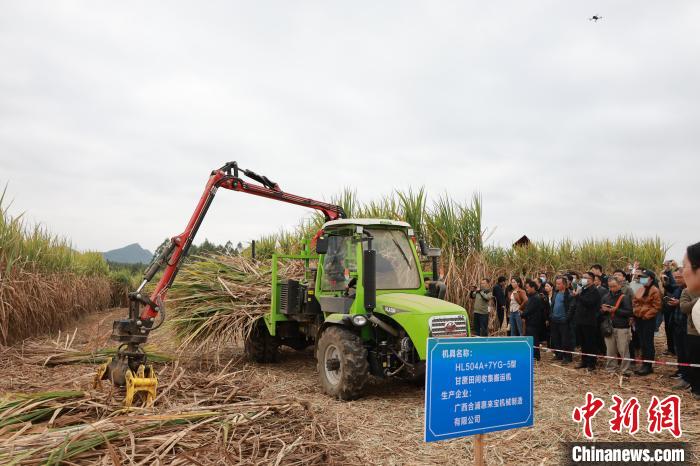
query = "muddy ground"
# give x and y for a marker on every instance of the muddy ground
(385, 427)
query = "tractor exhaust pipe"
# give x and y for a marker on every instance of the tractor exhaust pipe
(369, 276)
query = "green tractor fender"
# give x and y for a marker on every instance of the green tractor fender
(413, 313)
(341, 320)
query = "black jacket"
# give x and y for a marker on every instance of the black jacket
(500, 296)
(621, 318)
(534, 314)
(587, 306)
(603, 291)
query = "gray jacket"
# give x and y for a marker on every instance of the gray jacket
(481, 301)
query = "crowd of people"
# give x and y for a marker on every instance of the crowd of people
(615, 315)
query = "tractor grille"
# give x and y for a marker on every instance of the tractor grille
(448, 326)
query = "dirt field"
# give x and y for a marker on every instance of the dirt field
(385, 427)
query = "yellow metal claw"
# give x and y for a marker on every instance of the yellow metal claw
(101, 371)
(145, 382)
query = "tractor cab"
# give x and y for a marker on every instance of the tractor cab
(342, 269)
(366, 303)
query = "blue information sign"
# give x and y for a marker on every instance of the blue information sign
(477, 385)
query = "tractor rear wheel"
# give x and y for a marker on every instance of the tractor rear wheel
(342, 363)
(260, 346)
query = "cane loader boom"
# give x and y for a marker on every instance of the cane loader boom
(130, 367)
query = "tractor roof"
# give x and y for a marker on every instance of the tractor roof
(365, 222)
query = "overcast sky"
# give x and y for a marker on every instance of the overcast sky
(112, 114)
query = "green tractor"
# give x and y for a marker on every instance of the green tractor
(365, 303)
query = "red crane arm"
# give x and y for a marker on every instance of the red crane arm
(227, 177)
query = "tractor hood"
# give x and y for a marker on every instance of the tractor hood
(415, 304)
(413, 312)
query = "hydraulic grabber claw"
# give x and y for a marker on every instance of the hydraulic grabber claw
(145, 382)
(119, 371)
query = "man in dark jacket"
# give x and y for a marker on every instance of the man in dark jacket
(618, 308)
(670, 288)
(559, 321)
(680, 328)
(499, 295)
(586, 318)
(533, 317)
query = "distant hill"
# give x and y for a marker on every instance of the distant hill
(131, 254)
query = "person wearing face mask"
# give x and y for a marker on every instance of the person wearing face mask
(689, 306)
(646, 303)
(587, 306)
(573, 278)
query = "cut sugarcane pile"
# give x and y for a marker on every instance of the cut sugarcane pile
(215, 299)
(205, 418)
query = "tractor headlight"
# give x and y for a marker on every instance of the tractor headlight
(359, 320)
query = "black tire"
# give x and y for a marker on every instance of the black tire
(260, 346)
(348, 381)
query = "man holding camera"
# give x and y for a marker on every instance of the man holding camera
(481, 296)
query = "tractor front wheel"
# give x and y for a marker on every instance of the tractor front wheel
(342, 363)
(260, 346)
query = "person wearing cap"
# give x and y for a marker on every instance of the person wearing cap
(646, 303)
(621, 277)
(618, 308)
